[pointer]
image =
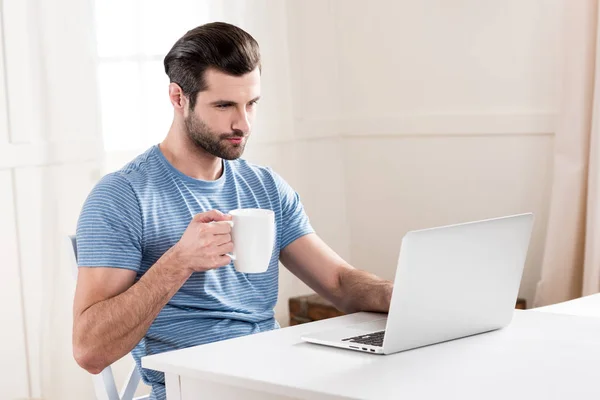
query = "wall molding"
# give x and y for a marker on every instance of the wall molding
(542, 123)
(49, 153)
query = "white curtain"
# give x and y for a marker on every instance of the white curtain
(571, 263)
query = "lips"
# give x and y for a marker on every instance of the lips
(236, 139)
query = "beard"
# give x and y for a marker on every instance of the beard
(213, 143)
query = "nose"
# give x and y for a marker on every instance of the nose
(242, 122)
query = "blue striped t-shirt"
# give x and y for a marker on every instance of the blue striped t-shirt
(133, 216)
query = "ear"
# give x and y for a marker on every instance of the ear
(177, 97)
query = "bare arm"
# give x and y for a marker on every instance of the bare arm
(348, 288)
(111, 314)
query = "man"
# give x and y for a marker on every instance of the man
(153, 237)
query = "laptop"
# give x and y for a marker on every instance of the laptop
(451, 282)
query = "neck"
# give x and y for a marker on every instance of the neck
(188, 158)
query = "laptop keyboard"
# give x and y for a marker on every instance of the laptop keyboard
(372, 339)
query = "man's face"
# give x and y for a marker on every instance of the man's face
(221, 120)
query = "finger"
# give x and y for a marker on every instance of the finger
(219, 228)
(222, 239)
(221, 261)
(209, 216)
(225, 248)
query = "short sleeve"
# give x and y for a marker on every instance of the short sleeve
(109, 229)
(294, 221)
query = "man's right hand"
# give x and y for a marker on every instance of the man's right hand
(205, 242)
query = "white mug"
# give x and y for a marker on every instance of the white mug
(253, 236)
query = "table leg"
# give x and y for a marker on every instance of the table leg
(173, 385)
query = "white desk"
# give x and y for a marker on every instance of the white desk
(588, 306)
(539, 356)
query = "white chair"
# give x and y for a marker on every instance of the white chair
(104, 382)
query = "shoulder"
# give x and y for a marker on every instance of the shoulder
(122, 186)
(131, 176)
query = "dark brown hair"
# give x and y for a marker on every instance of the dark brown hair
(217, 45)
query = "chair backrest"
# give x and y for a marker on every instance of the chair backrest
(104, 382)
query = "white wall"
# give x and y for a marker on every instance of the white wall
(445, 112)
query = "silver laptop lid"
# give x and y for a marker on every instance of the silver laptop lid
(456, 281)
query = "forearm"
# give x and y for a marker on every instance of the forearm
(363, 291)
(109, 329)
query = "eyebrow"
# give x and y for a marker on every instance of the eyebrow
(222, 102)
